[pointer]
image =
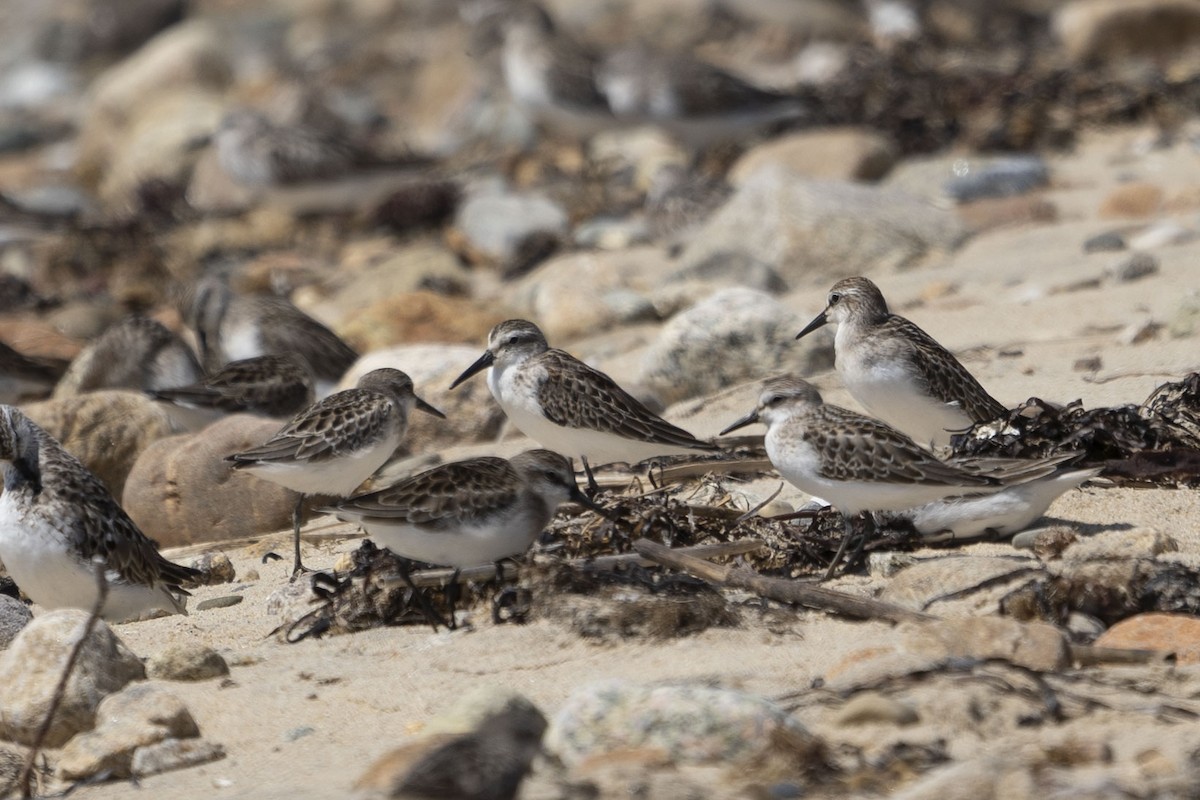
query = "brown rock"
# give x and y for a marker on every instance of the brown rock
(999, 212)
(1171, 633)
(106, 430)
(190, 54)
(34, 337)
(1034, 645)
(1103, 30)
(181, 491)
(850, 154)
(1133, 200)
(419, 317)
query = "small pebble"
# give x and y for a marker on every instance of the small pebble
(1089, 364)
(224, 601)
(1133, 266)
(1109, 241)
(871, 708)
(189, 661)
(299, 733)
(1139, 332)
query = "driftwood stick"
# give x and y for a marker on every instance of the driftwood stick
(487, 572)
(1089, 656)
(788, 591)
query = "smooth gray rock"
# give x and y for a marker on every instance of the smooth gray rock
(816, 231)
(735, 335)
(496, 222)
(692, 724)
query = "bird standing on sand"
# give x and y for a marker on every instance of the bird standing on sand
(58, 522)
(468, 513)
(569, 407)
(337, 443)
(860, 464)
(897, 371)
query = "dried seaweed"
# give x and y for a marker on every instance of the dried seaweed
(1156, 443)
(1110, 592)
(652, 601)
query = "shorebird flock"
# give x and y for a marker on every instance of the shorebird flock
(58, 522)
(262, 355)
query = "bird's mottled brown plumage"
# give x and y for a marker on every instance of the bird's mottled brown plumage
(575, 395)
(49, 483)
(276, 386)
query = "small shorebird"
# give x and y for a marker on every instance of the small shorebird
(258, 152)
(337, 443)
(583, 90)
(234, 327)
(273, 386)
(486, 763)
(569, 407)
(996, 514)
(862, 465)
(549, 74)
(897, 371)
(699, 104)
(468, 513)
(136, 353)
(58, 522)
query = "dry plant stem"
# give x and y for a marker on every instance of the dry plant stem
(25, 779)
(442, 577)
(788, 591)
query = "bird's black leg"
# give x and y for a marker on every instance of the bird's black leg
(847, 534)
(452, 594)
(298, 567)
(422, 601)
(593, 488)
(868, 530)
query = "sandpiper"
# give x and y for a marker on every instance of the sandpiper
(551, 75)
(899, 373)
(273, 386)
(135, 353)
(468, 513)
(58, 523)
(860, 464)
(696, 102)
(257, 152)
(337, 443)
(569, 407)
(234, 327)
(485, 763)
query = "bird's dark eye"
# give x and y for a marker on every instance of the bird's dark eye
(774, 400)
(551, 476)
(834, 299)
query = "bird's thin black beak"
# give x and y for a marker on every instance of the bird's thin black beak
(481, 363)
(818, 322)
(579, 498)
(428, 409)
(749, 419)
